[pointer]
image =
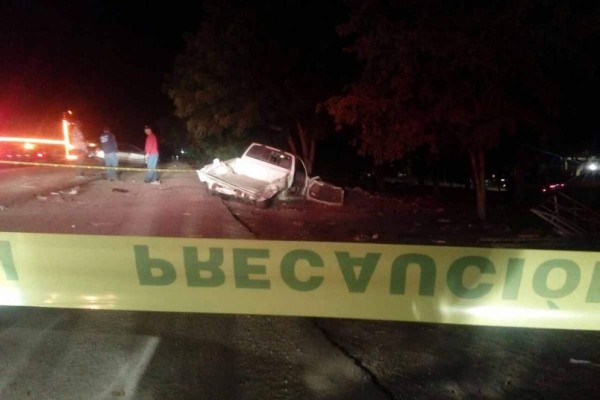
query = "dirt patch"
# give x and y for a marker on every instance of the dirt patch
(410, 218)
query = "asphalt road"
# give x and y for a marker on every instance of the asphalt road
(23, 183)
(80, 354)
(56, 201)
(93, 354)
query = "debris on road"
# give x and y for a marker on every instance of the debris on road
(120, 190)
(3, 208)
(71, 192)
(102, 223)
(41, 198)
(583, 362)
(361, 238)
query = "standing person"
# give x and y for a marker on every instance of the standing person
(109, 147)
(79, 147)
(151, 156)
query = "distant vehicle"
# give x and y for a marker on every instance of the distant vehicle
(553, 187)
(20, 152)
(591, 167)
(31, 152)
(263, 173)
(587, 177)
(584, 187)
(127, 154)
(45, 148)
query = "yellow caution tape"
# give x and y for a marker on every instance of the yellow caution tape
(97, 167)
(454, 285)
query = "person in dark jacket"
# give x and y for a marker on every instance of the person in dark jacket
(109, 147)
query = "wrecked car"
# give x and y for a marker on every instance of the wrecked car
(264, 173)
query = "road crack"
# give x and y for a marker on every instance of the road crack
(238, 219)
(357, 361)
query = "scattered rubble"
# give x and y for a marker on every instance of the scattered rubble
(583, 362)
(361, 237)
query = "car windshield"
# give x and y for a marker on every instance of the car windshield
(272, 156)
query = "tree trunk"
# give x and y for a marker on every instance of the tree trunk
(518, 178)
(312, 153)
(307, 146)
(477, 158)
(292, 145)
(435, 175)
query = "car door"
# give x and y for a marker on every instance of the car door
(130, 154)
(324, 193)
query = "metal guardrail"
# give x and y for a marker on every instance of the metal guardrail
(569, 216)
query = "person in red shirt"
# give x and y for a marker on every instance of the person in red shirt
(151, 156)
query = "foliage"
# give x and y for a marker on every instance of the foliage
(171, 133)
(456, 75)
(256, 69)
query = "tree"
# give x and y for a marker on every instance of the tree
(258, 69)
(458, 73)
(171, 131)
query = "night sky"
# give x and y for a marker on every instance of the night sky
(106, 61)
